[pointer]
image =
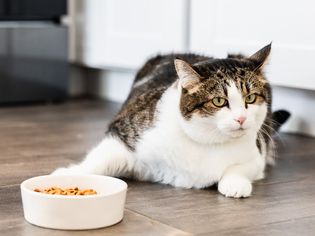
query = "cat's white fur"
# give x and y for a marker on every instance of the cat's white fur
(191, 154)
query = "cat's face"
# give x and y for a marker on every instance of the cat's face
(223, 99)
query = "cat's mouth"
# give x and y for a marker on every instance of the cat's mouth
(237, 133)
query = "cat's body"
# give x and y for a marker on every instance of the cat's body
(170, 131)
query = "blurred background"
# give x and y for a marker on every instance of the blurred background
(56, 50)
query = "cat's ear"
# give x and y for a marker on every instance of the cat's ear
(260, 58)
(188, 77)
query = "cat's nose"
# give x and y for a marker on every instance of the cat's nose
(241, 120)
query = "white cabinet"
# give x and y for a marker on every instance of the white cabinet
(221, 26)
(123, 34)
(119, 33)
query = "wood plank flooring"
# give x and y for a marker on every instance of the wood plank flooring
(34, 140)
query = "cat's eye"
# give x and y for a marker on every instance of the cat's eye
(250, 99)
(219, 102)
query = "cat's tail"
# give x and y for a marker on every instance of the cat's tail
(279, 117)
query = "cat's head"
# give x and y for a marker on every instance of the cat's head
(223, 99)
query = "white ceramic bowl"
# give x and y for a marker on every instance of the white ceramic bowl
(74, 212)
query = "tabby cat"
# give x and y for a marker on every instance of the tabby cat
(191, 121)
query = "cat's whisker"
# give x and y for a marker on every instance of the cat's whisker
(270, 139)
(275, 132)
(262, 132)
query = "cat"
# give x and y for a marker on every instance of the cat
(192, 121)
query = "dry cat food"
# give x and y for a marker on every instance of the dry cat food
(66, 191)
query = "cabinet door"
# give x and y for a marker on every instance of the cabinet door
(221, 26)
(119, 33)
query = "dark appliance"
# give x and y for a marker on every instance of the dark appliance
(33, 51)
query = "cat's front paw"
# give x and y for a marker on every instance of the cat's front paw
(235, 186)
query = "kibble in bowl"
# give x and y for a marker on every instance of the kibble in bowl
(73, 202)
(66, 191)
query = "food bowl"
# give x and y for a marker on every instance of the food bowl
(74, 212)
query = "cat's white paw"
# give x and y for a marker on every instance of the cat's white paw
(235, 186)
(73, 170)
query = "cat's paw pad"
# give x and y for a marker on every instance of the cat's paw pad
(235, 186)
(67, 171)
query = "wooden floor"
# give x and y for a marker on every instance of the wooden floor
(34, 140)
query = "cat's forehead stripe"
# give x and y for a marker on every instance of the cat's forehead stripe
(234, 95)
(233, 89)
(242, 85)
